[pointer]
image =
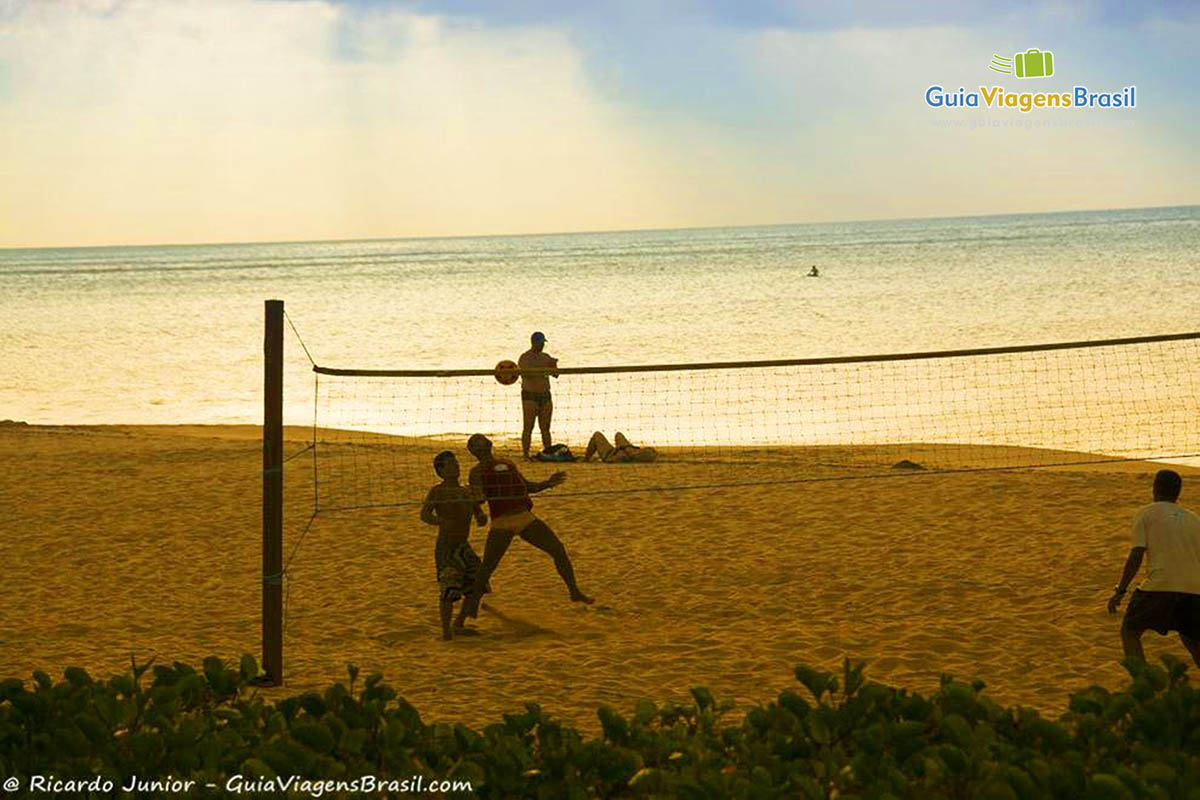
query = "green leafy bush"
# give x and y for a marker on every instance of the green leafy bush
(839, 736)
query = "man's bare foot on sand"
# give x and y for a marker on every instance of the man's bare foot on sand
(464, 631)
(579, 597)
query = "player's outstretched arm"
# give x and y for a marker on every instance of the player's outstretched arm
(541, 486)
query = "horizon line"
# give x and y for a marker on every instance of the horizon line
(584, 231)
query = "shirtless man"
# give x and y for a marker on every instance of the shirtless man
(506, 490)
(535, 391)
(449, 506)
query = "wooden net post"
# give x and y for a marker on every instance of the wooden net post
(272, 504)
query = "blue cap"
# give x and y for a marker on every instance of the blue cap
(537, 336)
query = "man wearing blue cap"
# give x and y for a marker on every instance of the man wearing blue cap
(535, 390)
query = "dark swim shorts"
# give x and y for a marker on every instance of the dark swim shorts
(1162, 612)
(538, 398)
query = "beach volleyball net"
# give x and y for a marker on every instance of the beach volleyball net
(737, 424)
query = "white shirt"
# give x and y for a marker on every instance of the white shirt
(1171, 535)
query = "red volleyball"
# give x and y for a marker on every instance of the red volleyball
(506, 372)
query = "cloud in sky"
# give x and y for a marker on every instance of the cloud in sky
(240, 120)
(233, 120)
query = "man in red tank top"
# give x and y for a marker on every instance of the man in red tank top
(506, 490)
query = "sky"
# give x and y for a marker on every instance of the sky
(143, 122)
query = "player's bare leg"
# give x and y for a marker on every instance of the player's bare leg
(494, 550)
(470, 608)
(543, 418)
(597, 446)
(539, 534)
(1131, 642)
(446, 607)
(529, 412)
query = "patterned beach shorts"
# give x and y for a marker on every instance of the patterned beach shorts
(460, 569)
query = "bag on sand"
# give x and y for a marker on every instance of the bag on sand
(556, 452)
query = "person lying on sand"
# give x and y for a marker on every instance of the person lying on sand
(506, 490)
(1168, 536)
(622, 452)
(449, 505)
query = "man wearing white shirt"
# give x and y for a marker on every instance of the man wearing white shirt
(1167, 535)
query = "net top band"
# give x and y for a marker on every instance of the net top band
(785, 362)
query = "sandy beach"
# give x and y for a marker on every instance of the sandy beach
(146, 540)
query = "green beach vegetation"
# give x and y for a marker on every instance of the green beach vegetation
(830, 736)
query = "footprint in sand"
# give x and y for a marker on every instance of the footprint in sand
(400, 637)
(597, 609)
(67, 629)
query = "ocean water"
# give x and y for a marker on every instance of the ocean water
(173, 334)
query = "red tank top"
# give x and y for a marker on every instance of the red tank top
(504, 488)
